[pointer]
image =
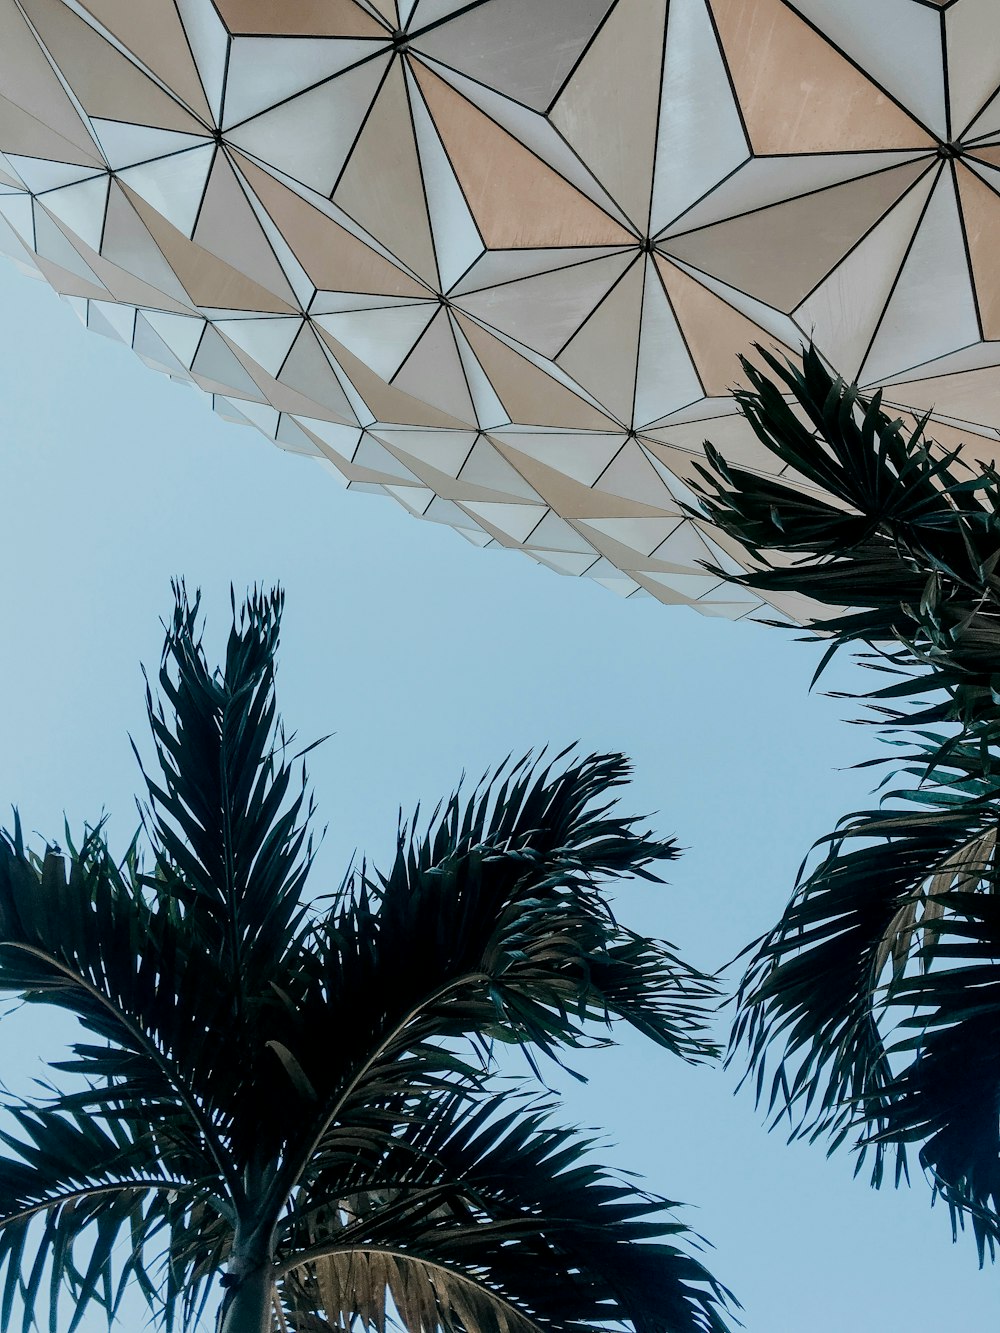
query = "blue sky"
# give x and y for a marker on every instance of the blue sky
(426, 657)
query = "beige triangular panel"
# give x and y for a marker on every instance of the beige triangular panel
(52, 244)
(535, 133)
(227, 226)
(973, 36)
(545, 311)
(331, 255)
(307, 369)
(125, 144)
(208, 280)
(153, 31)
(381, 187)
(433, 371)
(631, 475)
(830, 107)
(515, 198)
(978, 356)
(764, 181)
(981, 213)
(22, 133)
(607, 110)
(602, 356)
(106, 83)
(443, 452)
(583, 456)
(897, 41)
(486, 467)
(732, 436)
(81, 208)
(555, 534)
(665, 375)
(762, 253)
(264, 71)
(457, 242)
(644, 535)
(522, 48)
(311, 135)
(490, 411)
(508, 522)
(932, 308)
(567, 496)
(209, 43)
(387, 404)
(69, 283)
(308, 18)
(841, 314)
(383, 337)
(215, 362)
(713, 330)
(527, 393)
(700, 134)
(972, 396)
(267, 341)
(175, 185)
(127, 243)
(30, 83)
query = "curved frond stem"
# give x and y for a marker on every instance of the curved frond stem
(148, 1185)
(289, 1176)
(150, 1049)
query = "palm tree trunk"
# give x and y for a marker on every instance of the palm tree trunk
(248, 1305)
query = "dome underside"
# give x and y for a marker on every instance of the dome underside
(497, 260)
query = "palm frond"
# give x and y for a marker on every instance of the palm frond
(870, 1032)
(487, 1217)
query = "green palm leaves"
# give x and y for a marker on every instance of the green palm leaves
(298, 1095)
(879, 989)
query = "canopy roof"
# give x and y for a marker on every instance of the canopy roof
(496, 259)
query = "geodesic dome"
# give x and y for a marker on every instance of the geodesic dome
(496, 259)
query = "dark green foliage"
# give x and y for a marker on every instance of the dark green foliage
(879, 988)
(301, 1096)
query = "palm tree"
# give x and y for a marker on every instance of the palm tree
(299, 1097)
(877, 994)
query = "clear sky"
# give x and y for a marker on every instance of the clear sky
(427, 657)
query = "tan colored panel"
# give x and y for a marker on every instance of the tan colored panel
(67, 283)
(382, 187)
(227, 226)
(544, 311)
(433, 372)
(29, 82)
(989, 154)
(780, 254)
(306, 18)
(22, 133)
(971, 396)
(208, 281)
(153, 31)
(387, 404)
(528, 395)
(715, 333)
(602, 357)
(981, 211)
(515, 198)
(608, 109)
(797, 93)
(333, 258)
(106, 83)
(570, 498)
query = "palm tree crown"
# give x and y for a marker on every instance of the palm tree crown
(880, 985)
(296, 1097)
